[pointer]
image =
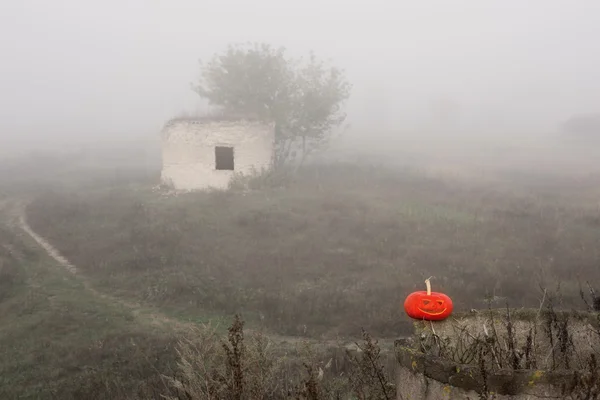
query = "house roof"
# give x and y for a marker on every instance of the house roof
(221, 117)
(214, 118)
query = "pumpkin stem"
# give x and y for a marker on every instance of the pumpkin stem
(428, 284)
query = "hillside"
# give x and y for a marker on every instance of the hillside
(59, 341)
(334, 250)
(65, 339)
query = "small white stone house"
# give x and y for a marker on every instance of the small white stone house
(206, 153)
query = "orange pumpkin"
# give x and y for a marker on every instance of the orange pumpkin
(428, 305)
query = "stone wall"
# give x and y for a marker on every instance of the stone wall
(426, 371)
(424, 377)
(188, 151)
(582, 328)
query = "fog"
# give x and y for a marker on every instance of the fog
(114, 71)
(469, 155)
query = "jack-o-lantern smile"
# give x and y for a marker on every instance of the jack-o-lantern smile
(433, 313)
(428, 305)
(432, 307)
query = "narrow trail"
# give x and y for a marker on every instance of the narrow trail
(137, 310)
(50, 250)
(18, 216)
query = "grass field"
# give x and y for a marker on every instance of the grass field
(59, 342)
(335, 249)
(61, 338)
(317, 255)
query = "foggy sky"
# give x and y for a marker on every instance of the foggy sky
(105, 70)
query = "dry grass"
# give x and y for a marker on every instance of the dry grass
(244, 367)
(336, 249)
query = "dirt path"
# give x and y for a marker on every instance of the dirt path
(50, 250)
(139, 311)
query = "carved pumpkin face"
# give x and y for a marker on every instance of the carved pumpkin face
(428, 305)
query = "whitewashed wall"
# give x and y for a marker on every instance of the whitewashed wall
(188, 151)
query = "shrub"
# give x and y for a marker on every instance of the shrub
(244, 367)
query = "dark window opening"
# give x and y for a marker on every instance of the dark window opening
(224, 158)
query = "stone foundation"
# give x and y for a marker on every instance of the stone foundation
(423, 375)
